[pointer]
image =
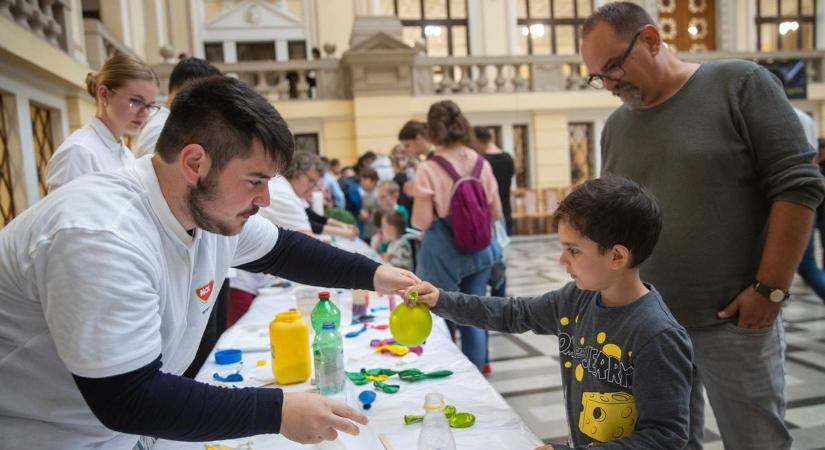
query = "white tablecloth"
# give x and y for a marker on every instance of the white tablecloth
(497, 425)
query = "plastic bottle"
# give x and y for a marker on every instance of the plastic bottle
(289, 338)
(328, 353)
(325, 311)
(435, 430)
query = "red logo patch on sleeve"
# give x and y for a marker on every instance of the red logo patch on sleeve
(205, 291)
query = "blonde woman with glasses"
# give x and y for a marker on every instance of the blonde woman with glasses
(124, 90)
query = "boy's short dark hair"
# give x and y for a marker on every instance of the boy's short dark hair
(369, 174)
(613, 210)
(411, 129)
(190, 69)
(224, 116)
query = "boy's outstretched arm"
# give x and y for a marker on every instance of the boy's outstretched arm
(506, 315)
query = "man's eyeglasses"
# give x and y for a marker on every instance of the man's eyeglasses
(312, 181)
(137, 105)
(614, 72)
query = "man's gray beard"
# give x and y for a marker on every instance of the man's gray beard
(631, 98)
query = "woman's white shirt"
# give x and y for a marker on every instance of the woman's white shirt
(92, 148)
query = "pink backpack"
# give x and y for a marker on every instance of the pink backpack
(471, 218)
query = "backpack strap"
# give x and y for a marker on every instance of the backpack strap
(478, 167)
(448, 167)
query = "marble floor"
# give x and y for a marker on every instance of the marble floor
(526, 367)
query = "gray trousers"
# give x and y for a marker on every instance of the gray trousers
(743, 372)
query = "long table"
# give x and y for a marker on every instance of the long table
(497, 425)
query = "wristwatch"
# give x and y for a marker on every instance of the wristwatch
(774, 295)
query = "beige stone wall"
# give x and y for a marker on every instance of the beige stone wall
(80, 109)
(40, 56)
(180, 36)
(492, 35)
(332, 20)
(550, 164)
(350, 128)
(137, 28)
(337, 124)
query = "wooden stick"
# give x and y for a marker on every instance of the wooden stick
(385, 441)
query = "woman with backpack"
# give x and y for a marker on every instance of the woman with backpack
(456, 203)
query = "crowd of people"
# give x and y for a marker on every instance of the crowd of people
(682, 253)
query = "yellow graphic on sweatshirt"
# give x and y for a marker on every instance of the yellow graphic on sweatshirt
(609, 416)
(602, 361)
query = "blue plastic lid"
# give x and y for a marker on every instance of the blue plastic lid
(228, 356)
(366, 398)
(328, 325)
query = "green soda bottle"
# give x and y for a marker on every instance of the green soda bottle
(328, 355)
(325, 311)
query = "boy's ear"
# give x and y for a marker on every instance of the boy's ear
(620, 257)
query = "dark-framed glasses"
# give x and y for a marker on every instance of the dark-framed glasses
(136, 105)
(615, 71)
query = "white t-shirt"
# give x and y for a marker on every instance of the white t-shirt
(146, 140)
(89, 149)
(383, 167)
(286, 210)
(98, 279)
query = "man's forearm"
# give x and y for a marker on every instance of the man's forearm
(789, 229)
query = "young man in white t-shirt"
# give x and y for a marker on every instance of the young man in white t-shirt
(106, 286)
(186, 70)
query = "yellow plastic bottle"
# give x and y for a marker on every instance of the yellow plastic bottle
(289, 338)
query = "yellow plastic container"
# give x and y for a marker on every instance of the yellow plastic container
(289, 338)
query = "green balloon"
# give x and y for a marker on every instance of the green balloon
(411, 325)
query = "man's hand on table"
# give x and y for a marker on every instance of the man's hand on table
(392, 280)
(312, 418)
(545, 447)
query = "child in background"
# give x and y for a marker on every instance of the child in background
(389, 241)
(625, 361)
(368, 180)
(388, 194)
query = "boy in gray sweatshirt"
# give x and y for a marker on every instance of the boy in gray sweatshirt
(626, 362)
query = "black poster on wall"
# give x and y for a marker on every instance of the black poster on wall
(792, 74)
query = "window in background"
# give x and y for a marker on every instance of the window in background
(785, 24)
(551, 26)
(688, 26)
(43, 142)
(521, 155)
(213, 52)
(581, 152)
(307, 142)
(7, 210)
(441, 24)
(256, 51)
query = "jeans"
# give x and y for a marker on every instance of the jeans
(446, 267)
(743, 372)
(810, 271)
(473, 340)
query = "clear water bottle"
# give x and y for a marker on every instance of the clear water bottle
(328, 354)
(324, 311)
(435, 430)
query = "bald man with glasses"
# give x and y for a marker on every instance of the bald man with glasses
(723, 151)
